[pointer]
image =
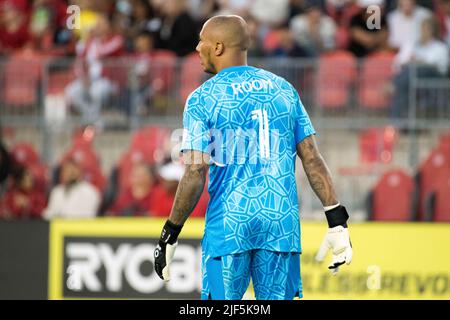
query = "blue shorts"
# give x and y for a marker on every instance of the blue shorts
(275, 275)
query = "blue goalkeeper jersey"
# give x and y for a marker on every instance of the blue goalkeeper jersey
(248, 121)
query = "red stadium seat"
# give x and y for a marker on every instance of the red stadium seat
(444, 143)
(117, 70)
(392, 197)
(163, 68)
(147, 146)
(436, 165)
(58, 81)
(24, 153)
(125, 166)
(191, 75)
(441, 212)
(377, 144)
(336, 74)
(376, 73)
(87, 159)
(149, 140)
(22, 74)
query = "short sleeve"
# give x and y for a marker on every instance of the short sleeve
(195, 125)
(303, 127)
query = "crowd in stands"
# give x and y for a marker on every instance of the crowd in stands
(413, 31)
(145, 186)
(279, 27)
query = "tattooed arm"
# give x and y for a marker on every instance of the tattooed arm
(317, 171)
(190, 187)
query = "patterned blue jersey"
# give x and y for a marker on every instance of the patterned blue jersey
(249, 121)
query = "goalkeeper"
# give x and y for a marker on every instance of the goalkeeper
(252, 228)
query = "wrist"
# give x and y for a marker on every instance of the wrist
(337, 216)
(170, 232)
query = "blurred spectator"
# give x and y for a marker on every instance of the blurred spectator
(238, 7)
(430, 58)
(138, 199)
(404, 25)
(297, 7)
(48, 27)
(313, 31)
(23, 199)
(14, 21)
(171, 175)
(446, 10)
(273, 13)
(73, 197)
(365, 36)
(201, 10)
(256, 48)
(5, 163)
(179, 32)
(92, 89)
(285, 45)
(143, 18)
(148, 85)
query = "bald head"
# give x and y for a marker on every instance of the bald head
(224, 41)
(231, 30)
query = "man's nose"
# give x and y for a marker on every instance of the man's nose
(197, 48)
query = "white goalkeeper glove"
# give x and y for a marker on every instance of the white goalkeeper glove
(337, 239)
(166, 249)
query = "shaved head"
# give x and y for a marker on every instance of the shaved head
(224, 41)
(231, 30)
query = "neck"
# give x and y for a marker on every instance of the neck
(239, 59)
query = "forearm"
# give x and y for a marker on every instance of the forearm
(319, 177)
(188, 194)
(317, 171)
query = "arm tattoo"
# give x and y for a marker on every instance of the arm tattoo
(318, 174)
(188, 193)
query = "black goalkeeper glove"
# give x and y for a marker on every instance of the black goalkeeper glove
(337, 239)
(166, 249)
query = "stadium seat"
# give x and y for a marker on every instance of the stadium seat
(392, 197)
(85, 156)
(336, 74)
(117, 70)
(163, 67)
(191, 75)
(147, 146)
(25, 154)
(21, 79)
(377, 144)
(59, 80)
(376, 74)
(436, 165)
(444, 143)
(149, 140)
(441, 203)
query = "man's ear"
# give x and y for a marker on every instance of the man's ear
(219, 49)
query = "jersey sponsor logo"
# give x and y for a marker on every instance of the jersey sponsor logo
(251, 86)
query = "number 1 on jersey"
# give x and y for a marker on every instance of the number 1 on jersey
(264, 142)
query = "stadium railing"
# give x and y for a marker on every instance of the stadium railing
(343, 96)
